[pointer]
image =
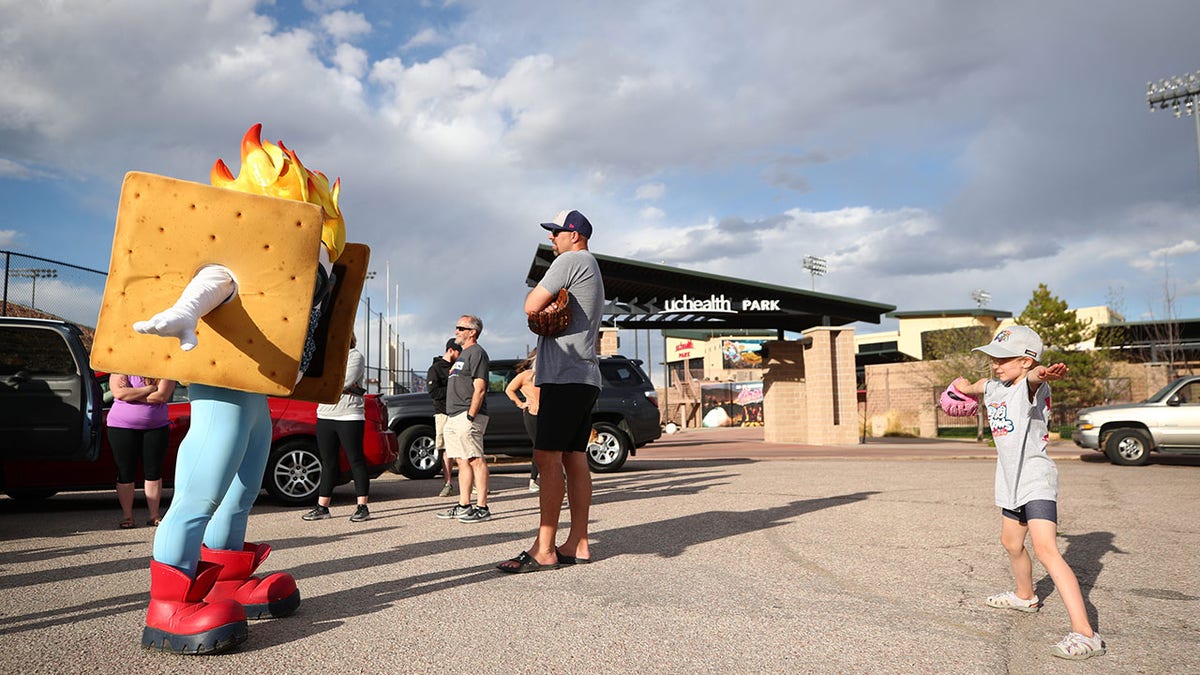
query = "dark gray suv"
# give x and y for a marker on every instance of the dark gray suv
(625, 418)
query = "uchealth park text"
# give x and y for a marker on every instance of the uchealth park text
(719, 303)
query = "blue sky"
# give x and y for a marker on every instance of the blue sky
(925, 149)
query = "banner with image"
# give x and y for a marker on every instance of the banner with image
(742, 353)
(731, 404)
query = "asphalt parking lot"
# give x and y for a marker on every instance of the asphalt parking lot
(858, 563)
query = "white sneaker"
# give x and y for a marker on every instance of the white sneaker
(533, 486)
(1076, 646)
(1009, 600)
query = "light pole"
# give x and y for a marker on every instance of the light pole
(817, 267)
(1181, 94)
(34, 273)
(981, 297)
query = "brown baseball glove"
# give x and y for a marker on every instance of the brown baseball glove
(555, 318)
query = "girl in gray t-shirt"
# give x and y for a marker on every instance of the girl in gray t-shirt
(1018, 407)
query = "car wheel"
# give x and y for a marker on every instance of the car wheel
(294, 472)
(1128, 447)
(418, 458)
(610, 449)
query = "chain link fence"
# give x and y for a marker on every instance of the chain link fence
(42, 288)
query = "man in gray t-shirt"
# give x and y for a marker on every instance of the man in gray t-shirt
(568, 375)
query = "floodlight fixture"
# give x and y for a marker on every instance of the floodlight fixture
(33, 273)
(981, 297)
(817, 267)
(1180, 94)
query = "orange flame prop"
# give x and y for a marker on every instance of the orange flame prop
(275, 171)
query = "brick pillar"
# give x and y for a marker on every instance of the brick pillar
(608, 344)
(809, 393)
(783, 393)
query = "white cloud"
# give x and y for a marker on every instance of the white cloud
(650, 191)
(1182, 248)
(652, 213)
(345, 25)
(9, 238)
(423, 38)
(323, 6)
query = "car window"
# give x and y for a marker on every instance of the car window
(621, 373)
(1189, 394)
(498, 378)
(39, 352)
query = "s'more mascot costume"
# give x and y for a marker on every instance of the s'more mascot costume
(259, 288)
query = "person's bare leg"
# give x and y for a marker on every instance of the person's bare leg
(125, 499)
(1012, 537)
(550, 499)
(153, 490)
(1045, 547)
(579, 498)
(480, 468)
(447, 467)
(466, 477)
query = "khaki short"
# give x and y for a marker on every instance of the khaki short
(464, 438)
(439, 428)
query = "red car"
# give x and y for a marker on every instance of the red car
(47, 447)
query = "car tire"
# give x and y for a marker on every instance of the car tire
(418, 458)
(293, 473)
(1128, 447)
(609, 452)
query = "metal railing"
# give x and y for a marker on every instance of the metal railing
(36, 287)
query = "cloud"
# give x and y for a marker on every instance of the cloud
(423, 38)
(345, 25)
(650, 191)
(9, 239)
(652, 213)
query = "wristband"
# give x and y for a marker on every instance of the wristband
(470, 417)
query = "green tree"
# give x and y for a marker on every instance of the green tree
(1062, 331)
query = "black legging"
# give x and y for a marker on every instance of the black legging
(350, 435)
(531, 429)
(129, 444)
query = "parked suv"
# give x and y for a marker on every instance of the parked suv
(1167, 422)
(52, 411)
(625, 418)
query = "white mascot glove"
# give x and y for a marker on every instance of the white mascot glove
(212, 286)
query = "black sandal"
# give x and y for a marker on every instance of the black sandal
(525, 564)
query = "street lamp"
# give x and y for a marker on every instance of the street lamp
(33, 273)
(1180, 94)
(817, 267)
(981, 297)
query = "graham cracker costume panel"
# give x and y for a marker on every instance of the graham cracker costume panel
(166, 230)
(326, 375)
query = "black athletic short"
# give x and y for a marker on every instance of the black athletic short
(564, 419)
(1038, 509)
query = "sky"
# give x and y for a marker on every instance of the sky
(924, 149)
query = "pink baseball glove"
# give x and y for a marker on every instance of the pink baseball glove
(957, 404)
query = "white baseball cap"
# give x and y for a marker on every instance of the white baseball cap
(1014, 341)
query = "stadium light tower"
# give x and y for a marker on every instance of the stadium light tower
(1180, 94)
(817, 267)
(33, 273)
(981, 297)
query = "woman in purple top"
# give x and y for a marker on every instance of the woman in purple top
(137, 425)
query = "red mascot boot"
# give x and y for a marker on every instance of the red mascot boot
(274, 596)
(180, 621)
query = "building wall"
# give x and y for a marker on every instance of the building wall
(902, 398)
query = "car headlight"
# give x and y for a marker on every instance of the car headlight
(1085, 425)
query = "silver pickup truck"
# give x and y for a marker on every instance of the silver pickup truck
(1168, 422)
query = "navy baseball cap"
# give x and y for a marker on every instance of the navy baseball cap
(570, 221)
